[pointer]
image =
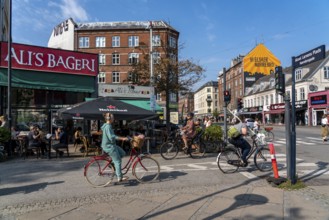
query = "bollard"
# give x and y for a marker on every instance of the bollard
(276, 180)
(274, 163)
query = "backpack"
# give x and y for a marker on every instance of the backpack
(233, 132)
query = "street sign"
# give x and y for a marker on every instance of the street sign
(310, 56)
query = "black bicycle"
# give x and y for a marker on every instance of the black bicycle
(229, 158)
(170, 148)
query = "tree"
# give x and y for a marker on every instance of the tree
(169, 74)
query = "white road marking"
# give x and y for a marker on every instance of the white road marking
(197, 166)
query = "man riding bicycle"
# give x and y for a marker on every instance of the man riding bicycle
(188, 130)
(240, 141)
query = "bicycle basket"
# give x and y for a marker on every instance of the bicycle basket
(137, 142)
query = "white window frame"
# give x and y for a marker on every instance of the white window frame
(101, 77)
(115, 59)
(326, 72)
(100, 42)
(156, 41)
(102, 59)
(172, 42)
(133, 41)
(116, 41)
(302, 93)
(131, 56)
(156, 57)
(115, 77)
(83, 42)
(298, 74)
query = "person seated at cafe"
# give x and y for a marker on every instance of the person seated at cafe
(42, 140)
(33, 138)
(61, 136)
(78, 136)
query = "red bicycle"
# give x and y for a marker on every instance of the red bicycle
(100, 171)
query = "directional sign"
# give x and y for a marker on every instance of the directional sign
(310, 56)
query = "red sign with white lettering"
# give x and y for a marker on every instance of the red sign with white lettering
(49, 60)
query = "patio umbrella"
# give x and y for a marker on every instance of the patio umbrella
(94, 109)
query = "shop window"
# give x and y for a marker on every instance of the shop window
(83, 42)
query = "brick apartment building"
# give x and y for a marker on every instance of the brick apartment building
(119, 45)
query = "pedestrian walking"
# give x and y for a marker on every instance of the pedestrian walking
(324, 127)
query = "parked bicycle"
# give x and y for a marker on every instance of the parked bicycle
(196, 146)
(229, 159)
(100, 171)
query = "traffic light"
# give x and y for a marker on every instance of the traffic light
(280, 86)
(239, 104)
(227, 96)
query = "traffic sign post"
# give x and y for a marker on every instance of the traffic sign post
(301, 60)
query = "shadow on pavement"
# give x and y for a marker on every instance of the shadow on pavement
(27, 189)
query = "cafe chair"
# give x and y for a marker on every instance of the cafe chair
(90, 148)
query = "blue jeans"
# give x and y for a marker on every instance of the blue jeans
(243, 144)
(116, 153)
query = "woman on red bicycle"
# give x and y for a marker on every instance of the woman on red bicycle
(109, 145)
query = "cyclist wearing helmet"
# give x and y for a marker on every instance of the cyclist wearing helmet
(188, 129)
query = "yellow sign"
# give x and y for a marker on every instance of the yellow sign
(260, 60)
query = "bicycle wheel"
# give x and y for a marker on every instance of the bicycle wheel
(228, 160)
(269, 136)
(99, 173)
(168, 150)
(197, 150)
(263, 160)
(146, 169)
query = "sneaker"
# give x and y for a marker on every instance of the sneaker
(122, 179)
(185, 148)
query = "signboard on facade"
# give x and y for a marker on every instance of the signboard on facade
(318, 100)
(44, 59)
(129, 91)
(310, 56)
(260, 60)
(174, 118)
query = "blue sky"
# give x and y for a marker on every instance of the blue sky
(212, 32)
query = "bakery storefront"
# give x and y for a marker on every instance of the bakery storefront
(44, 80)
(317, 106)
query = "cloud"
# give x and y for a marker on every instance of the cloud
(71, 9)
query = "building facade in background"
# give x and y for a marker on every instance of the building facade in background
(119, 46)
(206, 100)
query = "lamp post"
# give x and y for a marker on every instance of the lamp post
(209, 101)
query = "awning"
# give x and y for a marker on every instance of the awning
(250, 113)
(145, 104)
(48, 81)
(276, 111)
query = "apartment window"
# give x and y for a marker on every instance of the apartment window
(156, 57)
(262, 103)
(83, 42)
(115, 59)
(172, 42)
(208, 89)
(116, 41)
(133, 58)
(100, 41)
(298, 74)
(133, 41)
(302, 93)
(288, 94)
(132, 77)
(326, 72)
(271, 99)
(115, 77)
(156, 41)
(173, 97)
(101, 77)
(266, 100)
(102, 60)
